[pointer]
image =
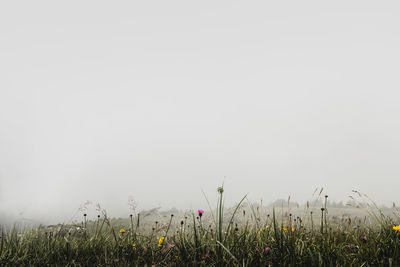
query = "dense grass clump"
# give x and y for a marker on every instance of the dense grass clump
(234, 239)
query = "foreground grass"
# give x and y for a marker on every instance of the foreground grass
(260, 241)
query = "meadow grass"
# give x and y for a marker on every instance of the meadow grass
(241, 236)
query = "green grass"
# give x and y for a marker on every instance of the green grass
(245, 237)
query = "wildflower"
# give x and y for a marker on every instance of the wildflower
(207, 255)
(260, 232)
(285, 229)
(397, 228)
(267, 249)
(355, 227)
(293, 229)
(200, 212)
(266, 227)
(161, 242)
(122, 231)
(363, 238)
(351, 246)
(134, 246)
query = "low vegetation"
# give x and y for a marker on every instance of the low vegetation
(219, 237)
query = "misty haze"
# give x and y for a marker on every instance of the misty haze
(138, 105)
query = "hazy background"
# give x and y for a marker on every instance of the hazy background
(102, 100)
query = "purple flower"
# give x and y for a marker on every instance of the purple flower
(200, 212)
(267, 249)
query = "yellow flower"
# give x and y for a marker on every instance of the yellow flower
(161, 242)
(293, 229)
(133, 246)
(260, 232)
(396, 228)
(266, 227)
(285, 229)
(122, 231)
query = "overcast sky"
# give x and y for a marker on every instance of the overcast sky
(102, 100)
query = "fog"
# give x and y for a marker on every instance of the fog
(161, 100)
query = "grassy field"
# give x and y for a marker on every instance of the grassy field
(245, 235)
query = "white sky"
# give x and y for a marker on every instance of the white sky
(100, 100)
